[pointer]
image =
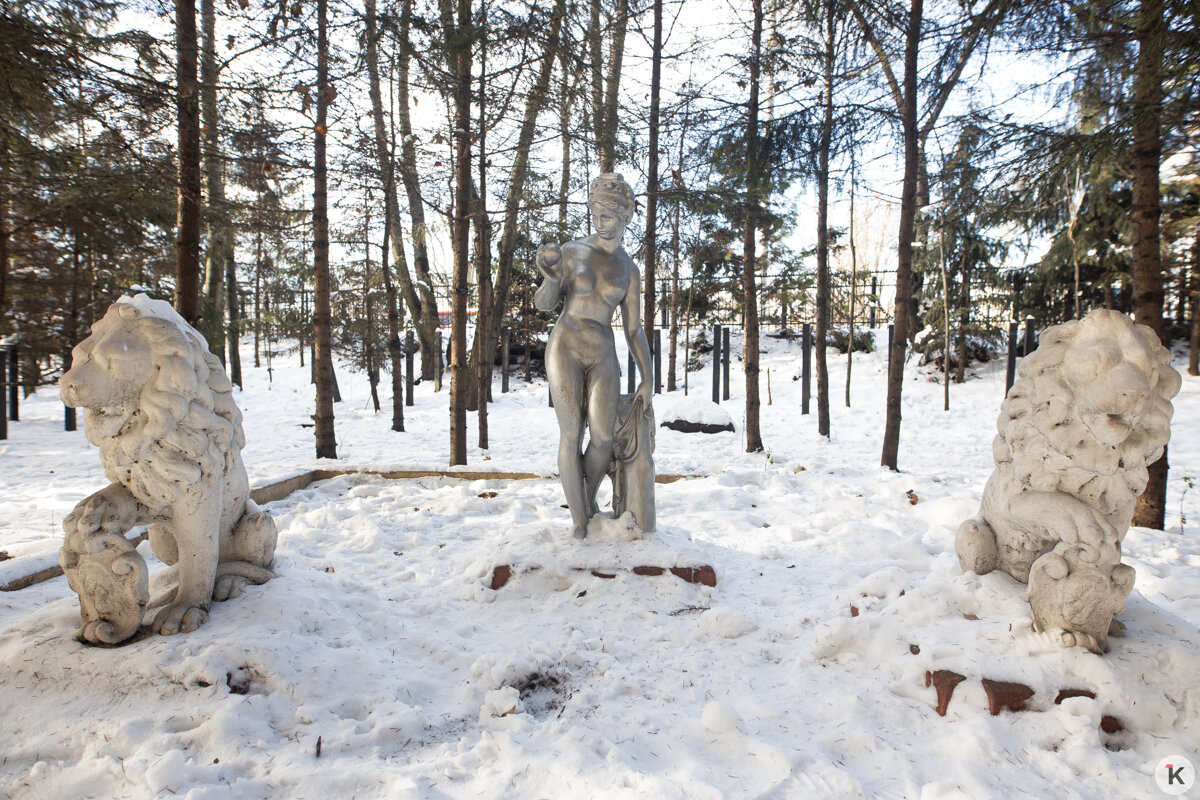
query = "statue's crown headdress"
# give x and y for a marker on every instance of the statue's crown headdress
(611, 188)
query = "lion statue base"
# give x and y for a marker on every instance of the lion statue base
(160, 408)
(1090, 410)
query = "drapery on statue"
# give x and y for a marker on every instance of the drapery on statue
(1091, 408)
(160, 407)
(596, 275)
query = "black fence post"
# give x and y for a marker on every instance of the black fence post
(630, 369)
(14, 383)
(663, 303)
(716, 351)
(3, 395)
(871, 312)
(1011, 369)
(507, 338)
(658, 360)
(891, 338)
(725, 362)
(410, 347)
(1029, 347)
(68, 412)
(805, 366)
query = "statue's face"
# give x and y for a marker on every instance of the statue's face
(610, 222)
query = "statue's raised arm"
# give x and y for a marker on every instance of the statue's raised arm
(549, 263)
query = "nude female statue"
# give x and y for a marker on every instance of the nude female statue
(596, 276)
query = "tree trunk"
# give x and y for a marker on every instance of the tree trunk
(395, 356)
(458, 56)
(822, 299)
(415, 302)
(908, 212)
(1150, 511)
(233, 302)
(754, 442)
(187, 218)
(322, 317)
(482, 350)
(535, 103)
(652, 178)
(258, 264)
(853, 271)
(219, 253)
(964, 319)
(1194, 337)
(607, 134)
(424, 313)
(4, 234)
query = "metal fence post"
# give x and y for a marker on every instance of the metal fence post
(725, 362)
(805, 366)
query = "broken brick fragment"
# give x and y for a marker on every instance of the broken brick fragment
(854, 611)
(702, 575)
(914, 649)
(500, 576)
(943, 681)
(608, 576)
(1110, 724)
(648, 571)
(1063, 694)
(1005, 694)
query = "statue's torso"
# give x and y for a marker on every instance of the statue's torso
(596, 283)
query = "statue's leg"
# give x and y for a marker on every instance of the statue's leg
(247, 554)
(604, 386)
(567, 390)
(196, 523)
(103, 567)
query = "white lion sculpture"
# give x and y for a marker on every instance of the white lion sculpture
(159, 406)
(1090, 409)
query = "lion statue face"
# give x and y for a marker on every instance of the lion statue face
(1091, 408)
(157, 403)
(1116, 373)
(109, 368)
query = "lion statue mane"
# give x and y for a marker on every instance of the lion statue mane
(160, 408)
(1090, 410)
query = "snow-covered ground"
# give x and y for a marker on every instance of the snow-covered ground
(379, 663)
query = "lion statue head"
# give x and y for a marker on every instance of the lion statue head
(157, 403)
(1090, 410)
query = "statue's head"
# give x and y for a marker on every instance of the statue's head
(610, 196)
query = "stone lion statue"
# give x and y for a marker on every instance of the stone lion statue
(160, 407)
(1091, 408)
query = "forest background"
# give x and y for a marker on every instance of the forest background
(355, 176)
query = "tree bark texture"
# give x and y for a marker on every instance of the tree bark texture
(754, 442)
(1194, 295)
(424, 312)
(395, 355)
(535, 104)
(607, 132)
(651, 271)
(187, 216)
(1150, 511)
(387, 170)
(219, 253)
(822, 299)
(458, 56)
(908, 212)
(322, 318)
